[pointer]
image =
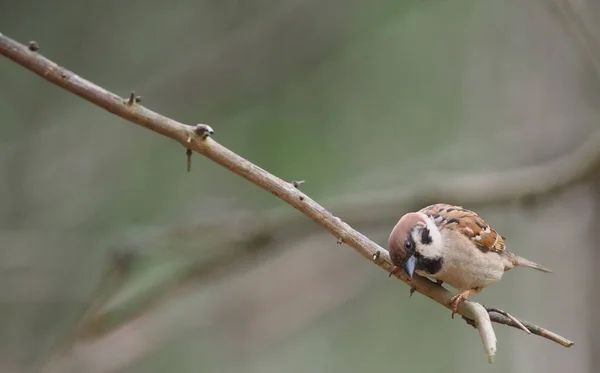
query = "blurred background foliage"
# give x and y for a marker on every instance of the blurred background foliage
(107, 244)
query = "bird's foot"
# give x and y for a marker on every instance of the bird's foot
(455, 301)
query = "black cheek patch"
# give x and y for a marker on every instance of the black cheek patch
(425, 236)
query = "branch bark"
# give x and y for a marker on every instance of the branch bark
(382, 206)
(196, 138)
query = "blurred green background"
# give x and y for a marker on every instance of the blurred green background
(108, 246)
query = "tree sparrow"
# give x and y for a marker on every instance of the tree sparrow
(453, 245)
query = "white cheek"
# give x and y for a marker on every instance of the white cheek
(434, 249)
(436, 236)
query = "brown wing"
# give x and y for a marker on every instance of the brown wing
(468, 223)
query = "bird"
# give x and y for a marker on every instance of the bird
(452, 245)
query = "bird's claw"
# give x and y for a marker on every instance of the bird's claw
(454, 302)
(412, 290)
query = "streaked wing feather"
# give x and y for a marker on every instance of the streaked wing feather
(468, 223)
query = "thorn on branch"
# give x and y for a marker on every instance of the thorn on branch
(301, 198)
(188, 156)
(376, 255)
(33, 46)
(203, 130)
(297, 183)
(133, 99)
(340, 240)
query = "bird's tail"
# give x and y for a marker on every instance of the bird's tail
(522, 262)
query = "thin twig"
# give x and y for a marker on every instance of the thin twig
(534, 329)
(189, 137)
(513, 319)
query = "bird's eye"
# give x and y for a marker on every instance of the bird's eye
(408, 245)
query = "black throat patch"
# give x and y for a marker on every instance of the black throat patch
(429, 265)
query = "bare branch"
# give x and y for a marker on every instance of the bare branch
(197, 139)
(534, 329)
(511, 317)
(382, 206)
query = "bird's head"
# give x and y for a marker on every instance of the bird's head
(415, 239)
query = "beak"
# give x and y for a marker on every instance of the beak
(409, 265)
